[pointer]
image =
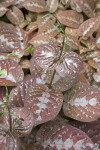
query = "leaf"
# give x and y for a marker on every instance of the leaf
(15, 15)
(69, 64)
(70, 18)
(92, 129)
(3, 10)
(52, 5)
(7, 3)
(10, 40)
(87, 7)
(35, 6)
(60, 135)
(45, 36)
(88, 27)
(44, 55)
(82, 103)
(22, 121)
(45, 104)
(31, 48)
(2, 72)
(14, 72)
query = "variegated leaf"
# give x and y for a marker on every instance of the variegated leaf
(22, 121)
(71, 31)
(11, 37)
(45, 22)
(3, 10)
(15, 15)
(61, 136)
(87, 7)
(88, 27)
(83, 104)
(45, 55)
(7, 3)
(52, 5)
(75, 6)
(70, 64)
(70, 18)
(44, 103)
(61, 83)
(9, 143)
(13, 72)
(35, 6)
(44, 37)
(17, 95)
(92, 129)
(72, 41)
(31, 27)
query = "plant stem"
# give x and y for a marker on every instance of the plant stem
(52, 79)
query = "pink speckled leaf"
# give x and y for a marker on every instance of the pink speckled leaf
(17, 95)
(31, 27)
(34, 67)
(92, 129)
(87, 7)
(75, 6)
(9, 143)
(44, 55)
(82, 103)
(35, 6)
(72, 41)
(60, 136)
(13, 72)
(69, 64)
(44, 103)
(7, 3)
(61, 83)
(11, 37)
(71, 31)
(45, 36)
(15, 15)
(3, 10)
(70, 18)
(87, 28)
(44, 23)
(22, 121)
(52, 5)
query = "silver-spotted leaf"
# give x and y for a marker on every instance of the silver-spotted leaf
(7, 3)
(45, 104)
(22, 121)
(15, 15)
(87, 7)
(44, 55)
(70, 64)
(35, 6)
(82, 103)
(88, 27)
(70, 18)
(52, 5)
(13, 72)
(11, 37)
(92, 129)
(61, 136)
(3, 10)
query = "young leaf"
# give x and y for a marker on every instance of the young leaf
(3, 72)
(31, 48)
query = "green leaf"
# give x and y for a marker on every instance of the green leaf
(31, 48)
(2, 72)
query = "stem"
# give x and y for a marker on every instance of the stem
(52, 79)
(8, 107)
